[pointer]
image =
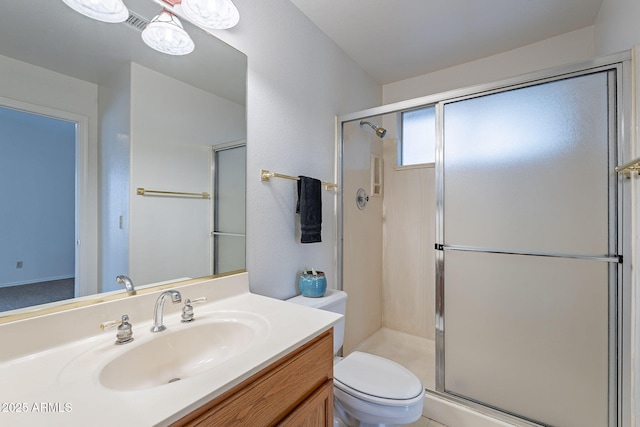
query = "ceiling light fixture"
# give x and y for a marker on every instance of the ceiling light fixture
(211, 14)
(112, 11)
(166, 34)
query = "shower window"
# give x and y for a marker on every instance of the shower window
(417, 137)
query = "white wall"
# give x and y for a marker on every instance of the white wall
(298, 81)
(37, 183)
(115, 123)
(616, 27)
(172, 131)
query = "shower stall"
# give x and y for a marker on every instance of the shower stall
(493, 267)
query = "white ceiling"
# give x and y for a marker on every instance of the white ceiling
(397, 39)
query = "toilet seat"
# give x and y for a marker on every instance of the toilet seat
(377, 380)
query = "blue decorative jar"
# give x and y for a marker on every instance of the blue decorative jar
(313, 286)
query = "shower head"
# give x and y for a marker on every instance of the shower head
(380, 131)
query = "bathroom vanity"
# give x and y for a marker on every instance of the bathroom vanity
(295, 390)
(245, 360)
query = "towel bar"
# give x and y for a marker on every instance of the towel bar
(143, 192)
(265, 175)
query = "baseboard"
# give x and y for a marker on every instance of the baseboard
(38, 280)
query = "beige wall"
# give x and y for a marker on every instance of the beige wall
(408, 289)
(362, 273)
(389, 267)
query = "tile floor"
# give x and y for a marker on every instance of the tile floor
(426, 422)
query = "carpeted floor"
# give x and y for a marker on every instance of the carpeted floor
(14, 297)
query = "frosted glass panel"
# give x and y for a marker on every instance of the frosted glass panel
(528, 335)
(418, 143)
(527, 169)
(230, 184)
(230, 253)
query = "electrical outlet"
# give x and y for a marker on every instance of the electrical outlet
(19, 264)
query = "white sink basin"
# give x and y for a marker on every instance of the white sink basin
(180, 352)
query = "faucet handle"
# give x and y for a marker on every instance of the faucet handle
(187, 310)
(110, 324)
(125, 330)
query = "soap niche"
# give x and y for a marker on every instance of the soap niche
(376, 176)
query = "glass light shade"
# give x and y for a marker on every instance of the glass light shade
(112, 11)
(165, 34)
(212, 14)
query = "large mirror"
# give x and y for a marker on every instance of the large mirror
(115, 159)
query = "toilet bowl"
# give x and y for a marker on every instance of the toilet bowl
(369, 390)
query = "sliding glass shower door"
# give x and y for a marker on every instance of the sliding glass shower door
(528, 259)
(229, 202)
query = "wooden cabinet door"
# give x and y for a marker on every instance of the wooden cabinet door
(316, 411)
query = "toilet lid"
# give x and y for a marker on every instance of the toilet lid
(377, 377)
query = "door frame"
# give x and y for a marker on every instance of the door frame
(617, 268)
(82, 252)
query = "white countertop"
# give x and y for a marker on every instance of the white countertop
(59, 386)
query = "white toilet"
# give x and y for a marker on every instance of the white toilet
(369, 390)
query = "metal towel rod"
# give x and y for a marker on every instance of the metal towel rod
(143, 192)
(627, 168)
(265, 175)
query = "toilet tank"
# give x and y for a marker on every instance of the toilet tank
(334, 301)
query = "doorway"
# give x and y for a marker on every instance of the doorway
(38, 218)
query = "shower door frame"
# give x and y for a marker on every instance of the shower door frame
(615, 235)
(620, 341)
(215, 233)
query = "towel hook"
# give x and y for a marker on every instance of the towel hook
(361, 198)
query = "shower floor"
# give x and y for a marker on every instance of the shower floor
(415, 353)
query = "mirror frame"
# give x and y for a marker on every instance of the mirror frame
(79, 302)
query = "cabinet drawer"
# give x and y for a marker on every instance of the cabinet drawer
(273, 393)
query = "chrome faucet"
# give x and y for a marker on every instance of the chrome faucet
(157, 312)
(128, 284)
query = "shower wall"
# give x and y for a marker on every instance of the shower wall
(362, 248)
(389, 260)
(408, 259)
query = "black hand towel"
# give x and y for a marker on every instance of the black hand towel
(310, 209)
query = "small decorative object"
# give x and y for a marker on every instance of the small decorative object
(313, 284)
